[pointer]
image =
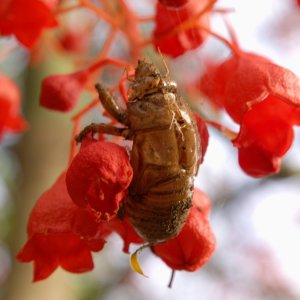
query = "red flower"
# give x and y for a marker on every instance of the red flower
(194, 245)
(98, 178)
(167, 19)
(10, 106)
(264, 99)
(61, 234)
(26, 19)
(174, 3)
(61, 92)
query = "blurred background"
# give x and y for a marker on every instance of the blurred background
(256, 221)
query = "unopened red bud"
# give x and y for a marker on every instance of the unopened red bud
(75, 41)
(61, 92)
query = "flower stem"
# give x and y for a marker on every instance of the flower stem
(171, 279)
(76, 120)
(99, 12)
(105, 61)
(232, 46)
(62, 10)
(225, 130)
(146, 19)
(108, 43)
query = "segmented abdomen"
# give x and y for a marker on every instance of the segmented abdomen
(160, 214)
(165, 159)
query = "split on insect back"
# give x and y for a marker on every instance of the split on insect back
(146, 196)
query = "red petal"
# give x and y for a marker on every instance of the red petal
(61, 92)
(212, 83)
(50, 251)
(177, 44)
(201, 202)
(246, 84)
(204, 135)
(75, 256)
(98, 178)
(257, 163)
(126, 231)
(43, 267)
(268, 125)
(284, 84)
(60, 233)
(194, 245)
(27, 27)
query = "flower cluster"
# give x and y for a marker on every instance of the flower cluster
(85, 205)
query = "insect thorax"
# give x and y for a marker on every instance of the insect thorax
(148, 80)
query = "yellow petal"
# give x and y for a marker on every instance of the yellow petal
(134, 263)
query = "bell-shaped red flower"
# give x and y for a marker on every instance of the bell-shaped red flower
(61, 234)
(264, 99)
(98, 178)
(61, 92)
(26, 19)
(10, 106)
(174, 3)
(177, 43)
(194, 245)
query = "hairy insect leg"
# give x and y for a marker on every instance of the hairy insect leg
(110, 104)
(104, 129)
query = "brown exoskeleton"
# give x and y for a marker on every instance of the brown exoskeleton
(165, 152)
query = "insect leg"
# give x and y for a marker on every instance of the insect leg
(110, 104)
(104, 129)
